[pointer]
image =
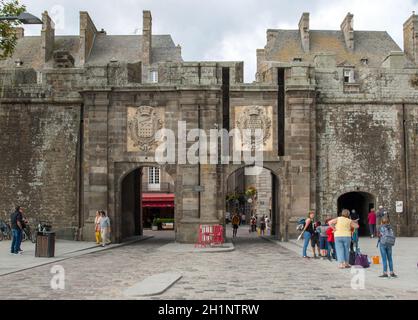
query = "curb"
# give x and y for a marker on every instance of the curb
(70, 255)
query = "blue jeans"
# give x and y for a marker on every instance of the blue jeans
(17, 237)
(306, 237)
(331, 247)
(386, 253)
(342, 246)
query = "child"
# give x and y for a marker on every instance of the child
(323, 239)
(315, 240)
(331, 242)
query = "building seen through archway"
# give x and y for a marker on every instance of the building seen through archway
(253, 195)
(147, 198)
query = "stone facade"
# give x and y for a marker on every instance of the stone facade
(342, 106)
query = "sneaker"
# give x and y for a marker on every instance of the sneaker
(384, 276)
(393, 275)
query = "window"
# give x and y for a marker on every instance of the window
(364, 61)
(348, 76)
(153, 76)
(297, 59)
(154, 178)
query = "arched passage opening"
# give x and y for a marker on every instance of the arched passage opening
(362, 202)
(147, 203)
(253, 195)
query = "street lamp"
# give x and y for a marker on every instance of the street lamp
(25, 18)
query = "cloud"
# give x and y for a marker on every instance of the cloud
(221, 29)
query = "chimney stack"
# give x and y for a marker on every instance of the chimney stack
(88, 33)
(19, 32)
(147, 38)
(304, 31)
(348, 32)
(410, 37)
(48, 37)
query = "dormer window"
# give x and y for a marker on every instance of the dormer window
(153, 76)
(297, 59)
(348, 75)
(364, 61)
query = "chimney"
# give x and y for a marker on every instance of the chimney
(304, 31)
(48, 37)
(410, 37)
(88, 33)
(19, 32)
(146, 38)
(348, 32)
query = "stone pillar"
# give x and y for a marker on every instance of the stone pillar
(300, 131)
(208, 172)
(48, 37)
(348, 31)
(88, 33)
(187, 181)
(304, 31)
(146, 38)
(410, 37)
(95, 164)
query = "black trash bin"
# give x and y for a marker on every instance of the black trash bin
(45, 245)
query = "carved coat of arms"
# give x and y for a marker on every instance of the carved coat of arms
(250, 119)
(142, 126)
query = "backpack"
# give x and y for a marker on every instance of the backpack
(301, 224)
(387, 236)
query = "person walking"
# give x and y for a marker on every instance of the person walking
(253, 224)
(16, 222)
(243, 218)
(262, 225)
(268, 226)
(104, 228)
(235, 224)
(97, 228)
(308, 231)
(342, 235)
(371, 219)
(386, 242)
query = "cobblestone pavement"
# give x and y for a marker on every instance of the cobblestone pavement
(256, 269)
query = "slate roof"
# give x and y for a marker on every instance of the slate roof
(374, 45)
(106, 47)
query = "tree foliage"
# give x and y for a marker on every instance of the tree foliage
(8, 36)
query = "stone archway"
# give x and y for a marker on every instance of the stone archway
(360, 201)
(127, 198)
(275, 203)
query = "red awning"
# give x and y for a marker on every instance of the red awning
(158, 200)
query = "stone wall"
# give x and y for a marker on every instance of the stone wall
(38, 166)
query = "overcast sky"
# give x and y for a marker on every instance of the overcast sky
(223, 29)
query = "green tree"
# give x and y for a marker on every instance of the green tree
(8, 37)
